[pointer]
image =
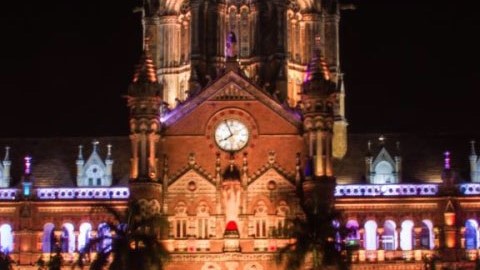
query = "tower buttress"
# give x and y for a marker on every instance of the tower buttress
(144, 101)
(318, 99)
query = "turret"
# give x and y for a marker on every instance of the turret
(5, 169)
(318, 98)
(473, 163)
(144, 100)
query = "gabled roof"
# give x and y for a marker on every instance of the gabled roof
(232, 86)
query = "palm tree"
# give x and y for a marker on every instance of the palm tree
(6, 262)
(316, 236)
(133, 242)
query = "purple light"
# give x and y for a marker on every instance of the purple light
(447, 160)
(27, 164)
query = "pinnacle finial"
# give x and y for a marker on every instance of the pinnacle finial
(109, 151)
(95, 143)
(472, 149)
(7, 153)
(80, 152)
(147, 43)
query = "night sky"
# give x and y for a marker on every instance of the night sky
(409, 66)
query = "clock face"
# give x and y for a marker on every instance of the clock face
(231, 135)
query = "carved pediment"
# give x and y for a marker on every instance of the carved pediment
(191, 181)
(232, 91)
(271, 180)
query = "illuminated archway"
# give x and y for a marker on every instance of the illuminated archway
(67, 238)
(471, 234)
(48, 239)
(84, 235)
(370, 237)
(426, 235)
(406, 235)
(6, 238)
(389, 236)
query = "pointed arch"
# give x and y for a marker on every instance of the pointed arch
(67, 238)
(471, 234)
(406, 235)
(48, 238)
(389, 236)
(259, 224)
(426, 234)
(353, 230)
(370, 237)
(84, 235)
(180, 219)
(203, 220)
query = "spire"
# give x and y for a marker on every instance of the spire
(80, 152)
(146, 71)
(318, 78)
(7, 153)
(95, 144)
(472, 148)
(109, 151)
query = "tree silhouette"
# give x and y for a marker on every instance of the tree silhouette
(316, 236)
(132, 244)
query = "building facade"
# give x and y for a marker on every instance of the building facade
(234, 106)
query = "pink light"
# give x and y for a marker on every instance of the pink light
(447, 160)
(27, 164)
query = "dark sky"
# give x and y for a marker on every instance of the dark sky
(410, 66)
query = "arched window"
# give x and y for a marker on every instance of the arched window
(6, 238)
(384, 173)
(471, 234)
(67, 238)
(389, 236)
(84, 235)
(282, 212)
(426, 235)
(260, 220)
(353, 237)
(48, 239)
(180, 221)
(370, 237)
(406, 235)
(203, 220)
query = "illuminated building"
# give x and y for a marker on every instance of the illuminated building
(234, 105)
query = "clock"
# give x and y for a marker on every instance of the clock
(231, 135)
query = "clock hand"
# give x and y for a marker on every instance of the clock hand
(228, 127)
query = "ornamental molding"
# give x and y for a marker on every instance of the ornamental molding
(7, 210)
(224, 257)
(387, 206)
